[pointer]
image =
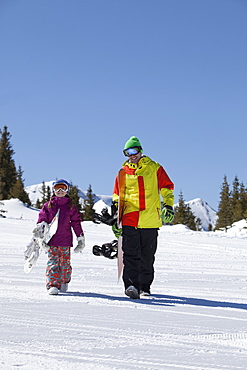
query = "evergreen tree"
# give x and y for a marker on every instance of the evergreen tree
(190, 221)
(89, 201)
(198, 223)
(48, 193)
(235, 191)
(43, 193)
(38, 204)
(237, 212)
(184, 215)
(225, 210)
(180, 211)
(243, 200)
(8, 175)
(74, 195)
(18, 190)
(210, 227)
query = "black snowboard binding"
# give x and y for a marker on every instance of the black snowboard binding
(105, 217)
(108, 250)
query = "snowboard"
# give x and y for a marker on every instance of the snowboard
(111, 250)
(122, 189)
(52, 228)
(34, 248)
(120, 257)
(31, 255)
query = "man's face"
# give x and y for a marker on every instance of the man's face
(134, 154)
(135, 158)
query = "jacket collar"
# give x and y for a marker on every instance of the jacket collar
(60, 201)
(144, 160)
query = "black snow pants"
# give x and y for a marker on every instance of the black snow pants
(139, 247)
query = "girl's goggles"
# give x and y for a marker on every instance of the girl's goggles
(62, 187)
(131, 151)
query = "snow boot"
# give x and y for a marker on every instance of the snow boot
(145, 294)
(53, 291)
(64, 287)
(132, 292)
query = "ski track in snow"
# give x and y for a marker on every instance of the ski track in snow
(196, 318)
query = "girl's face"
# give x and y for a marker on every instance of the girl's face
(60, 193)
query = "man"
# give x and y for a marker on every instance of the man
(137, 190)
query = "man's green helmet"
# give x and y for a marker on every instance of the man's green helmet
(133, 142)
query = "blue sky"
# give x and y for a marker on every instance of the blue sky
(79, 77)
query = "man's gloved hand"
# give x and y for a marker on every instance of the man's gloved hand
(167, 214)
(81, 244)
(117, 232)
(40, 229)
(105, 216)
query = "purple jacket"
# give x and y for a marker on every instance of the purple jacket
(68, 218)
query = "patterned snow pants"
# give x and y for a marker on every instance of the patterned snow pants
(58, 270)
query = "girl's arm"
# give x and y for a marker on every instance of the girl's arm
(76, 222)
(43, 215)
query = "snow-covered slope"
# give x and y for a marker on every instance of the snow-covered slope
(195, 318)
(202, 210)
(34, 191)
(238, 229)
(98, 206)
(16, 209)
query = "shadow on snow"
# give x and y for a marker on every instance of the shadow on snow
(163, 300)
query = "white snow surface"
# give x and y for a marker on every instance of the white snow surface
(195, 318)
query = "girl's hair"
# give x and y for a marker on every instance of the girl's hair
(50, 204)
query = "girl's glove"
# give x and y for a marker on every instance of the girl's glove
(117, 232)
(167, 214)
(40, 229)
(81, 244)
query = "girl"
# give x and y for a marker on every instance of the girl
(58, 271)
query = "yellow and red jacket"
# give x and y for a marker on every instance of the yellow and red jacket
(137, 191)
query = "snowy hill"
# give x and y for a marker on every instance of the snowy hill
(202, 210)
(194, 319)
(16, 209)
(238, 229)
(199, 207)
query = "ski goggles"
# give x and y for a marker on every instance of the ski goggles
(62, 187)
(131, 151)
